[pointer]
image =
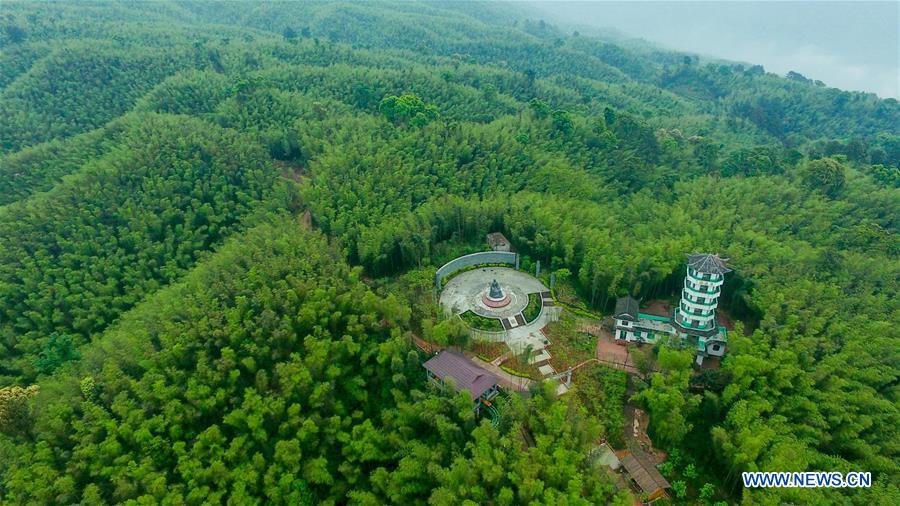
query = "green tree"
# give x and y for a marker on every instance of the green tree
(826, 174)
(58, 350)
(540, 108)
(680, 489)
(667, 398)
(562, 121)
(408, 108)
(14, 33)
(707, 492)
(15, 412)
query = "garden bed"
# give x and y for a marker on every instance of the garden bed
(488, 350)
(533, 309)
(481, 323)
(570, 345)
(516, 367)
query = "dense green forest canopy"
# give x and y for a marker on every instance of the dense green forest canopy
(219, 224)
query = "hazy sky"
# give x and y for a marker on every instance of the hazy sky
(851, 45)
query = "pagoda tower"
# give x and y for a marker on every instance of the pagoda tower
(696, 313)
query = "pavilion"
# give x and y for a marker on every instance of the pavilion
(463, 375)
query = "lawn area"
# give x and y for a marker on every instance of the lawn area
(570, 346)
(481, 323)
(533, 309)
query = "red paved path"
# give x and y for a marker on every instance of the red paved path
(614, 355)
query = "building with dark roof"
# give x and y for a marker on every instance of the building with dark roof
(498, 242)
(450, 367)
(634, 326)
(640, 468)
(627, 308)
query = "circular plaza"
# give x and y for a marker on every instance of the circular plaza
(490, 292)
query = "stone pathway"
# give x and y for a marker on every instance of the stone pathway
(547, 370)
(502, 358)
(507, 380)
(520, 338)
(542, 356)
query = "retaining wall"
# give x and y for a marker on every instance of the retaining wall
(482, 257)
(484, 335)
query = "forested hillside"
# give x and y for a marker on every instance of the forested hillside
(220, 221)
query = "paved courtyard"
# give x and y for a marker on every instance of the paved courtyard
(463, 292)
(466, 291)
(613, 354)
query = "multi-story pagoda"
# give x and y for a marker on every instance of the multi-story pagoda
(695, 317)
(694, 320)
(696, 313)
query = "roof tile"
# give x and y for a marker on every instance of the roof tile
(465, 374)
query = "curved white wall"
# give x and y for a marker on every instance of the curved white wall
(482, 257)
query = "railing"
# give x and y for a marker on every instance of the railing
(708, 282)
(487, 335)
(703, 277)
(698, 293)
(697, 317)
(680, 321)
(690, 305)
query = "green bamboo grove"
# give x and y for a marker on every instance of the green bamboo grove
(219, 226)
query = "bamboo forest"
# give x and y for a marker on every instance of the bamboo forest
(376, 253)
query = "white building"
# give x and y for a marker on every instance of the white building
(694, 320)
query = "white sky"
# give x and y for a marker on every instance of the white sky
(852, 45)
